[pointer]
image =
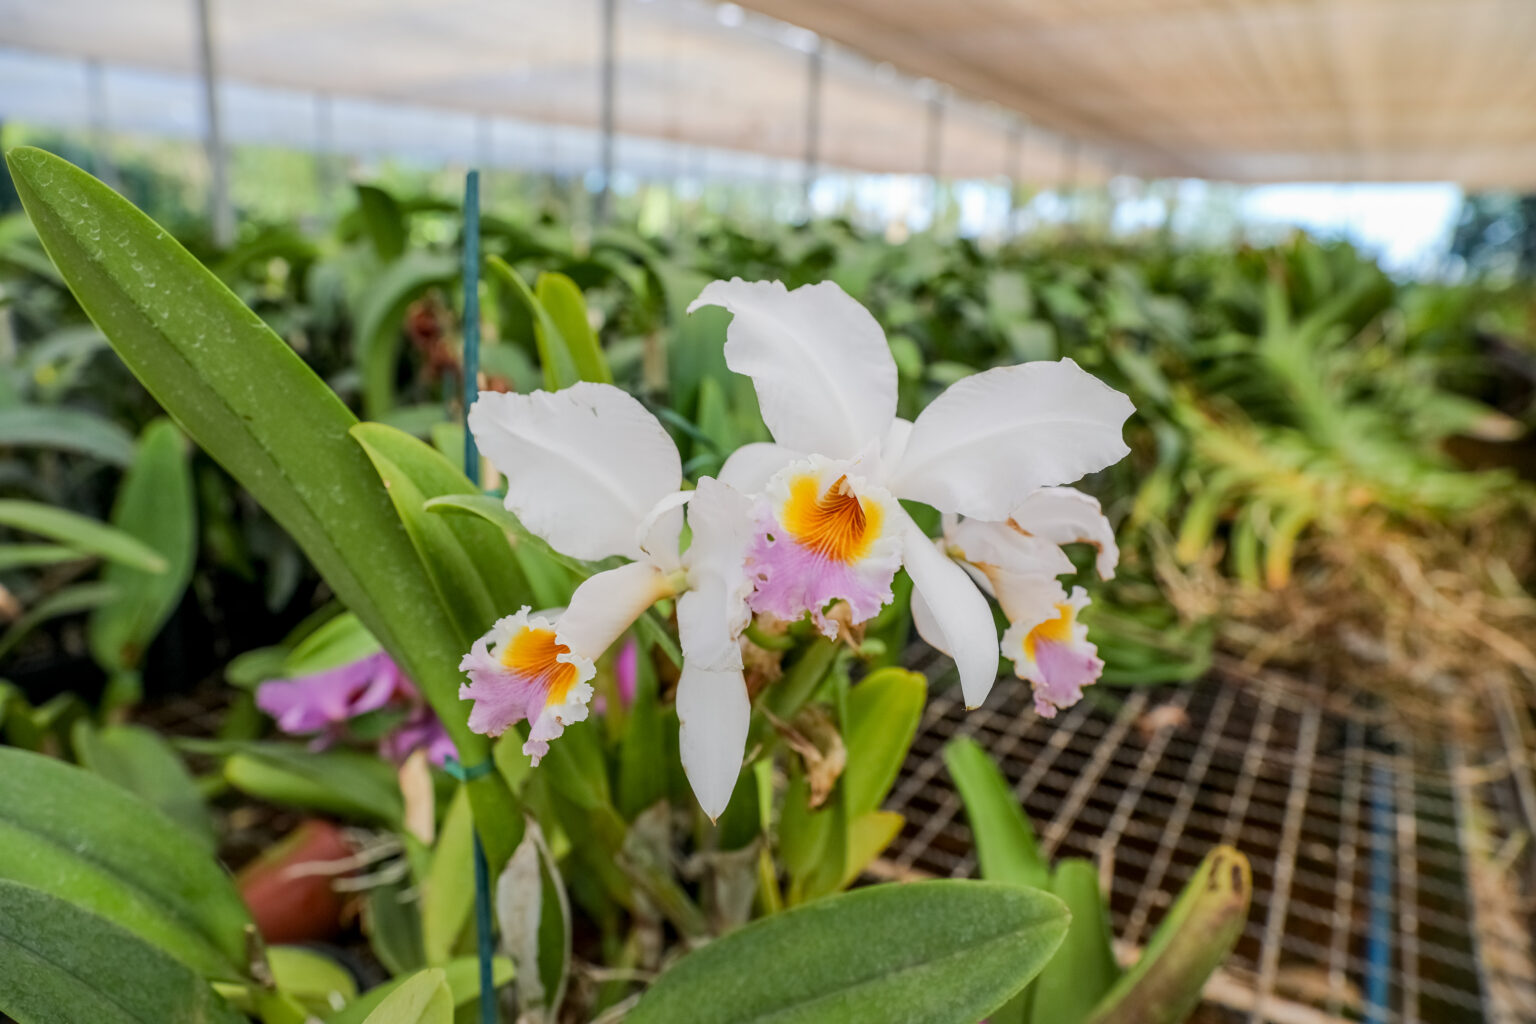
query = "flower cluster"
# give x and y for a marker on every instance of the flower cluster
(790, 528)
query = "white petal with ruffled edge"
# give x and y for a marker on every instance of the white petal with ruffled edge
(608, 603)
(713, 714)
(714, 611)
(991, 439)
(956, 618)
(825, 378)
(1065, 515)
(583, 465)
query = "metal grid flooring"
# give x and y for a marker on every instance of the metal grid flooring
(1389, 876)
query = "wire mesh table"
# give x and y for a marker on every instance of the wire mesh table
(1391, 875)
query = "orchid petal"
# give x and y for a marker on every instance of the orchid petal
(584, 465)
(1065, 515)
(825, 377)
(608, 603)
(955, 614)
(749, 468)
(991, 439)
(714, 611)
(713, 714)
(662, 529)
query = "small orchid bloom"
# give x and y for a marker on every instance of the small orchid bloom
(1055, 655)
(595, 475)
(1017, 562)
(321, 704)
(829, 524)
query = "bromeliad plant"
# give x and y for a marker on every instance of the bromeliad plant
(777, 573)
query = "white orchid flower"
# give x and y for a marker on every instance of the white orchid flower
(829, 523)
(594, 474)
(1017, 561)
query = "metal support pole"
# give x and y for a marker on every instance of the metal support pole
(606, 71)
(813, 73)
(1014, 161)
(934, 150)
(221, 212)
(96, 103)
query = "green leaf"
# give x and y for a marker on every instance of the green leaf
(1005, 843)
(336, 642)
(26, 556)
(345, 782)
(155, 505)
(567, 310)
(382, 220)
(462, 975)
(421, 999)
(547, 571)
(84, 535)
(314, 980)
(379, 313)
(71, 600)
(59, 962)
(1084, 968)
(248, 399)
(1192, 940)
(868, 836)
(555, 355)
(857, 958)
(69, 430)
(469, 560)
(80, 837)
(883, 712)
(447, 893)
(141, 762)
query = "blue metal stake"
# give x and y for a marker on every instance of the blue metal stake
(486, 940)
(1378, 967)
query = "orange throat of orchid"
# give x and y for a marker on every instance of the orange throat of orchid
(1056, 631)
(533, 655)
(836, 524)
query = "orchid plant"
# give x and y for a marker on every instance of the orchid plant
(794, 528)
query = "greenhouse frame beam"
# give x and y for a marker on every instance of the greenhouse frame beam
(221, 213)
(813, 87)
(606, 84)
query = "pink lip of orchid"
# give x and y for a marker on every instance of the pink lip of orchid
(320, 704)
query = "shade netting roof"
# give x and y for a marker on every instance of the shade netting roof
(1243, 90)
(1040, 90)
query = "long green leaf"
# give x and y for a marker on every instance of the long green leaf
(83, 838)
(462, 975)
(79, 597)
(883, 712)
(1005, 843)
(447, 892)
(555, 355)
(155, 505)
(70, 430)
(85, 535)
(345, 782)
(567, 310)
(469, 560)
(941, 952)
(141, 762)
(1084, 968)
(59, 962)
(249, 400)
(422, 999)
